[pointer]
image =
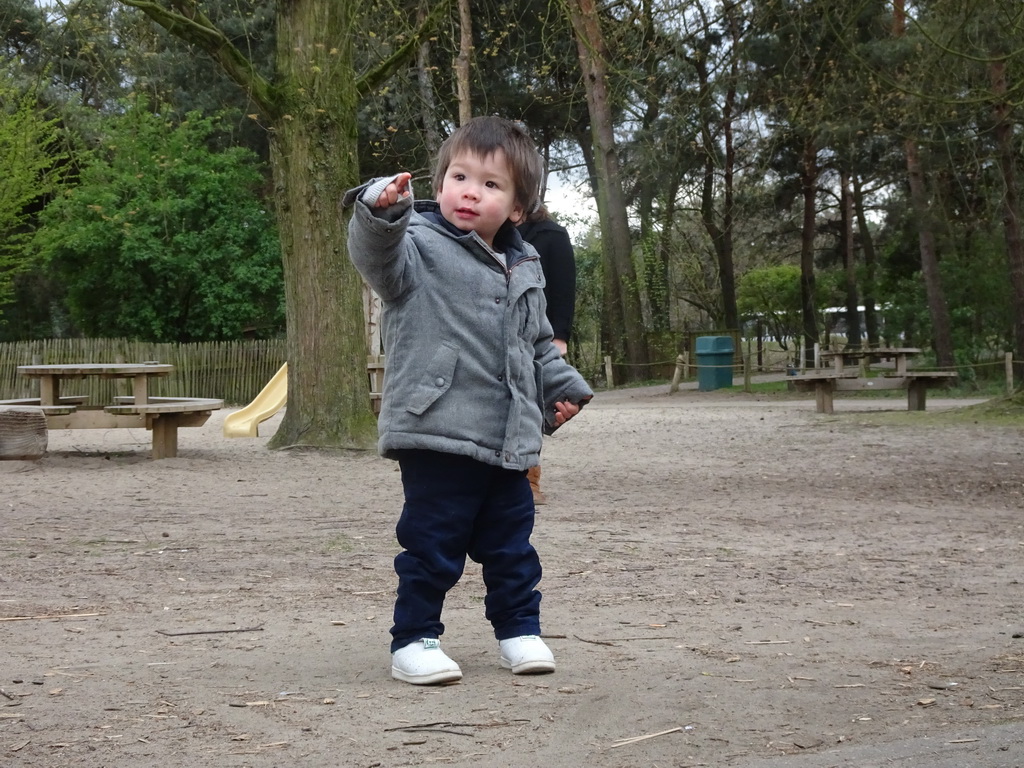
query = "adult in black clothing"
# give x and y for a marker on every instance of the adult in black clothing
(558, 260)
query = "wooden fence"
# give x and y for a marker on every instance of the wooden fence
(232, 371)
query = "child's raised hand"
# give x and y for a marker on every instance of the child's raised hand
(397, 189)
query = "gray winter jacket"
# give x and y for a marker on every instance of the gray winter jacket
(469, 364)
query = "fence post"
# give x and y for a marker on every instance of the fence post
(680, 362)
(608, 372)
(37, 359)
(1009, 373)
(746, 372)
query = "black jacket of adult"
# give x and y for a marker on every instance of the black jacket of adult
(558, 260)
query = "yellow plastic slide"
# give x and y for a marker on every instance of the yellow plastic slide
(245, 422)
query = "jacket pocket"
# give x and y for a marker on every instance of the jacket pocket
(435, 380)
(538, 377)
(529, 315)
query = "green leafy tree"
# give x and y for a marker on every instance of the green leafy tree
(164, 239)
(772, 294)
(30, 173)
(171, 75)
(799, 52)
(309, 104)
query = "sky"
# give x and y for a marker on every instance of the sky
(571, 203)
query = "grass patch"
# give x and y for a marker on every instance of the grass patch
(1004, 411)
(764, 387)
(973, 389)
(339, 543)
(638, 384)
(782, 388)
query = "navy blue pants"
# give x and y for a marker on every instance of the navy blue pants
(456, 506)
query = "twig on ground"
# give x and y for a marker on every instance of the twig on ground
(438, 727)
(594, 642)
(209, 631)
(49, 616)
(635, 739)
(444, 726)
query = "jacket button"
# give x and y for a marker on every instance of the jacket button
(439, 381)
(498, 300)
(498, 454)
(500, 377)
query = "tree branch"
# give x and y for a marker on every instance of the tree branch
(195, 28)
(379, 74)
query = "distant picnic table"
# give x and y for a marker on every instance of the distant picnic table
(848, 370)
(162, 415)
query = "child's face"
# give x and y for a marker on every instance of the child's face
(477, 194)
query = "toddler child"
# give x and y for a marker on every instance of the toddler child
(472, 381)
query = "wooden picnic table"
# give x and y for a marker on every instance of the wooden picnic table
(848, 370)
(844, 359)
(162, 415)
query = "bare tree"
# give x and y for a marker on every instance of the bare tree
(937, 308)
(622, 300)
(463, 62)
(1004, 130)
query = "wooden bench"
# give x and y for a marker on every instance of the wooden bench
(67, 404)
(164, 415)
(916, 383)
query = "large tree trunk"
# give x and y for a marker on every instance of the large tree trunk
(611, 203)
(726, 264)
(428, 103)
(1011, 207)
(313, 156)
(853, 329)
(463, 61)
(942, 337)
(720, 234)
(870, 264)
(310, 109)
(808, 301)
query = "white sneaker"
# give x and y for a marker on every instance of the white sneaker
(526, 655)
(424, 663)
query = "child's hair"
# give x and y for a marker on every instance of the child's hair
(483, 136)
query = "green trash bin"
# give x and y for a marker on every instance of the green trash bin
(714, 362)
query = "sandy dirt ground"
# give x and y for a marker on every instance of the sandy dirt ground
(736, 578)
